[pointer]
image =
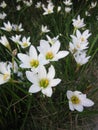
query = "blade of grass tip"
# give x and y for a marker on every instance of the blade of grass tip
(27, 112)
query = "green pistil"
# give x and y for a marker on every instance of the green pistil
(44, 83)
(34, 63)
(25, 44)
(75, 100)
(49, 55)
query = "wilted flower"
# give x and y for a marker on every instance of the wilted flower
(78, 100)
(43, 81)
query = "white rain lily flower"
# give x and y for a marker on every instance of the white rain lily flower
(38, 4)
(25, 42)
(67, 2)
(58, 8)
(49, 8)
(18, 0)
(7, 26)
(78, 100)
(87, 13)
(43, 81)
(93, 4)
(28, 3)
(5, 72)
(53, 40)
(16, 38)
(3, 4)
(78, 23)
(3, 15)
(31, 60)
(51, 53)
(81, 37)
(17, 28)
(5, 42)
(80, 58)
(44, 29)
(18, 7)
(77, 46)
(67, 9)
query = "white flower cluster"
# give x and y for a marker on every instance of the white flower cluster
(68, 5)
(42, 81)
(79, 42)
(36, 60)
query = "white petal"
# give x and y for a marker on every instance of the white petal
(23, 57)
(47, 92)
(62, 54)
(55, 82)
(25, 66)
(1, 79)
(44, 47)
(33, 52)
(42, 72)
(78, 33)
(87, 102)
(32, 77)
(71, 106)
(51, 72)
(3, 67)
(34, 89)
(42, 59)
(69, 94)
(55, 47)
(78, 107)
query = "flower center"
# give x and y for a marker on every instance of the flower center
(34, 63)
(49, 55)
(25, 44)
(75, 100)
(44, 83)
(5, 76)
(82, 39)
(49, 11)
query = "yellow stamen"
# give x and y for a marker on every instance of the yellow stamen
(44, 83)
(75, 100)
(49, 55)
(34, 63)
(5, 76)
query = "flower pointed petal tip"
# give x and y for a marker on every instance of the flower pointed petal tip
(34, 89)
